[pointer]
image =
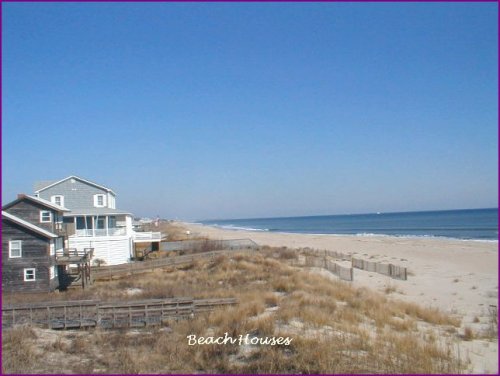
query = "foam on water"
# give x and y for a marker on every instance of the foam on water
(471, 224)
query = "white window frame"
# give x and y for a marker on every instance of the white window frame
(26, 270)
(20, 248)
(96, 200)
(55, 197)
(42, 212)
(52, 248)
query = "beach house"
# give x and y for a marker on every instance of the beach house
(32, 234)
(93, 221)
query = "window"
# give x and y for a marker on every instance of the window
(100, 223)
(15, 248)
(99, 201)
(29, 274)
(58, 200)
(45, 216)
(81, 225)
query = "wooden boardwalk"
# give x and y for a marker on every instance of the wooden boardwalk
(120, 271)
(93, 313)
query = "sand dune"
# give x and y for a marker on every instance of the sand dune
(456, 276)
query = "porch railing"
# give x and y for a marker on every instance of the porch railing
(112, 231)
(147, 236)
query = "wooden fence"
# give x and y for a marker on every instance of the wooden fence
(119, 271)
(208, 245)
(329, 260)
(331, 265)
(381, 267)
(94, 313)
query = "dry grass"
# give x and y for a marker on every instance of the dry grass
(335, 327)
(174, 232)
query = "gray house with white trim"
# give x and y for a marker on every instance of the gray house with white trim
(93, 220)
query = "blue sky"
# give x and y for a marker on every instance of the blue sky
(220, 110)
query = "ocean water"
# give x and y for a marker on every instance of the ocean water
(478, 224)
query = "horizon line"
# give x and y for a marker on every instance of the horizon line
(345, 214)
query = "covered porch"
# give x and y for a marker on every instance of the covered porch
(100, 225)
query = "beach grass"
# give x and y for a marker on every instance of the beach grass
(335, 328)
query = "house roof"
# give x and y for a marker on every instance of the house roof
(38, 200)
(41, 184)
(28, 225)
(41, 187)
(95, 211)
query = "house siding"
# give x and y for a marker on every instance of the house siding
(35, 254)
(114, 250)
(30, 212)
(77, 195)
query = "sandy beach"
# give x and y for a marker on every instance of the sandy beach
(458, 277)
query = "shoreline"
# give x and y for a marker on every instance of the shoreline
(458, 277)
(427, 258)
(256, 230)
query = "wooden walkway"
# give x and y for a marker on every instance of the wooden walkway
(94, 313)
(120, 271)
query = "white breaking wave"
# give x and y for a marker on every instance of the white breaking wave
(232, 227)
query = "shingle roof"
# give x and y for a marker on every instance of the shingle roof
(28, 225)
(42, 184)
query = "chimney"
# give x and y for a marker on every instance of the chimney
(21, 195)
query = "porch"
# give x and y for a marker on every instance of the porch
(100, 225)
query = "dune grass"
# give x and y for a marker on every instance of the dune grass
(334, 327)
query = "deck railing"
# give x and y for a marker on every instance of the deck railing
(95, 313)
(68, 254)
(111, 231)
(125, 270)
(147, 236)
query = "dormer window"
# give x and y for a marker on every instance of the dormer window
(45, 216)
(58, 200)
(99, 201)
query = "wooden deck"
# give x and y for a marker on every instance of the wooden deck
(94, 313)
(74, 256)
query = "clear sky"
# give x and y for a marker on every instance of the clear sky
(218, 110)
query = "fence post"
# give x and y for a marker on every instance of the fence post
(98, 316)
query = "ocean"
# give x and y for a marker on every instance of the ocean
(477, 224)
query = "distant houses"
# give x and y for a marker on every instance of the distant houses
(71, 215)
